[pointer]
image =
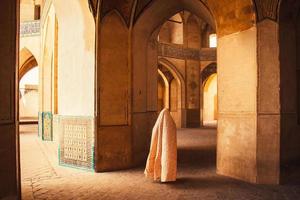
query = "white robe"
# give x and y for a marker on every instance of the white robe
(162, 159)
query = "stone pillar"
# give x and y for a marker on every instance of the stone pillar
(193, 93)
(268, 108)
(193, 73)
(9, 150)
(249, 108)
(237, 95)
(113, 140)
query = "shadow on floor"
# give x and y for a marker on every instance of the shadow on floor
(197, 158)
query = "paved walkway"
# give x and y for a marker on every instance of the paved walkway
(42, 178)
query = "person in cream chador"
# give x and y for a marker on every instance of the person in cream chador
(162, 159)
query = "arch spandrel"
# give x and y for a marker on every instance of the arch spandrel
(232, 16)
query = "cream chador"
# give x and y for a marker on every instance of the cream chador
(162, 159)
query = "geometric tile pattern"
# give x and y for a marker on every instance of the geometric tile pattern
(76, 142)
(47, 133)
(40, 125)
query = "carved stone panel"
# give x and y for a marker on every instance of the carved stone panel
(179, 52)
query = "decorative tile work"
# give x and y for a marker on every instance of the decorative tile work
(76, 142)
(179, 52)
(40, 129)
(45, 126)
(208, 54)
(47, 134)
(30, 28)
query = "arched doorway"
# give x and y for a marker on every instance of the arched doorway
(28, 86)
(208, 76)
(210, 101)
(177, 92)
(163, 91)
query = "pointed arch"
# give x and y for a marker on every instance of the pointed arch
(27, 62)
(166, 92)
(181, 103)
(113, 63)
(177, 75)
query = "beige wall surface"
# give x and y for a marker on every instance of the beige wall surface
(76, 54)
(29, 105)
(237, 94)
(33, 44)
(113, 71)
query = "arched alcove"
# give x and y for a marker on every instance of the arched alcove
(210, 105)
(179, 115)
(172, 30)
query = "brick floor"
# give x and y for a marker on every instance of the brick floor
(42, 178)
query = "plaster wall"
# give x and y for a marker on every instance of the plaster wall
(29, 105)
(33, 44)
(172, 31)
(47, 62)
(76, 53)
(176, 32)
(193, 33)
(26, 10)
(237, 94)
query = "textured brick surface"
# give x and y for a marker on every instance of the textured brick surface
(42, 178)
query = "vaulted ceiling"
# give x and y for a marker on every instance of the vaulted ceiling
(228, 9)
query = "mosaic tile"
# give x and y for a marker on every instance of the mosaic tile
(47, 134)
(40, 125)
(76, 142)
